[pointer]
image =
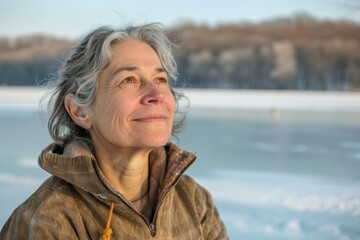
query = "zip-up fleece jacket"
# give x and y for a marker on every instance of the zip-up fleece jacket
(74, 202)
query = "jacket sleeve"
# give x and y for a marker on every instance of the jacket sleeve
(212, 225)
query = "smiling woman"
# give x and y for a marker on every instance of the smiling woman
(141, 90)
(112, 115)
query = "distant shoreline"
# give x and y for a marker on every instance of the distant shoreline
(29, 98)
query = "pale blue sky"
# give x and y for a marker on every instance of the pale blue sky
(73, 18)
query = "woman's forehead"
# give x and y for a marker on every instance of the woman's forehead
(133, 53)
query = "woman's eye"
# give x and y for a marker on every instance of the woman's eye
(161, 80)
(128, 80)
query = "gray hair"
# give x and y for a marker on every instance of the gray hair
(79, 74)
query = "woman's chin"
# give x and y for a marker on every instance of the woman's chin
(155, 142)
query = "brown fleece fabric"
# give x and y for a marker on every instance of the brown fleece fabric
(74, 202)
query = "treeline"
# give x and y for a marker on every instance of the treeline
(294, 53)
(300, 52)
(31, 60)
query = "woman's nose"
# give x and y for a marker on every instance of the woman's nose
(152, 94)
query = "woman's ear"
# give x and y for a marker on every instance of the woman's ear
(76, 112)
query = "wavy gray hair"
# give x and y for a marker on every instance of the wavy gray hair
(79, 74)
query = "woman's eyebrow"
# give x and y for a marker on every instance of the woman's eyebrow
(123, 69)
(131, 69)
(160, 70)
(119, 70)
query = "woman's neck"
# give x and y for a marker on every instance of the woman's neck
(127, 171)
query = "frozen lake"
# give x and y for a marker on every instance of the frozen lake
(279, 165)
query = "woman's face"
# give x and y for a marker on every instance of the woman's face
(134, 106)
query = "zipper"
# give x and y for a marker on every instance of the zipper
(152, 225)
(152, 229)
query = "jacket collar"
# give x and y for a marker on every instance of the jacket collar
(76, 164)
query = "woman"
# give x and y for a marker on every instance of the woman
(112, 164)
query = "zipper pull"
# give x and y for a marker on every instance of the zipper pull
(152, 229)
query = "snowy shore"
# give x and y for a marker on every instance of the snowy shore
(28, 98)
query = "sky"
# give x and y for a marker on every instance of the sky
(74, 18)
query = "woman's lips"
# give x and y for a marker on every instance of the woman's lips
(151, 118)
